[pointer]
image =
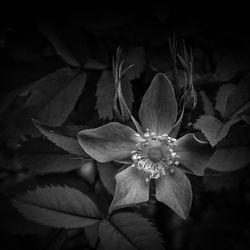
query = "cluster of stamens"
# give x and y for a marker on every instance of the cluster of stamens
(155, 155)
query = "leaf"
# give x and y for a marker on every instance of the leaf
(56, 206)
(208, 107)
(6, 100)
(94, 64)
(222, 98)
(91, 233)
(239, 100)
(105, 94)
(212, 128)
(232, 153)
(68, 41)
(136, 57)
(129, 231)
(43, 163)
(67, 142)
(232, 63)
(53, 97)
(13, 223)
(107, 173)
(55, 241)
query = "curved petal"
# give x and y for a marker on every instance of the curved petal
(175, 191)
(194, 154)
(113, 141)
(158, 111)
(131, 188)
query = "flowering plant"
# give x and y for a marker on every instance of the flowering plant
(152, 153)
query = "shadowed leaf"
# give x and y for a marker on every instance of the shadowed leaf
(67, 142)
(207, 105)
(57, 206)
(213, 129)
(239, 100)
(232, 152)
(222, 98)
(107, 173)
(235, 61)
(129, 231)
(53, 97)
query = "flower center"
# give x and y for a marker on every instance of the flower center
(155, 155)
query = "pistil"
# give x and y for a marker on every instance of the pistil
(155, 155)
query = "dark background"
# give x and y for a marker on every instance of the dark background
(219, 217)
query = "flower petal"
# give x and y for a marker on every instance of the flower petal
(194, 154)
(175, 191)
(131, 188)
(113, 141)
(158, 111)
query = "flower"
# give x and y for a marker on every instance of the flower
(153, 151)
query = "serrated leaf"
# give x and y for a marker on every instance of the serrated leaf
(129, 231)
(14, 223)
(214, 129)
(136, 57)
(41, 156)
(67, 142)
(207, 105)
(222, 98)
(107, 173)
(232, 153)
(239, 100)
(105, 94)
(43, 163)
(53, 97)
(56, 206)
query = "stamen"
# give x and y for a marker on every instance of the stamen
(155, 155)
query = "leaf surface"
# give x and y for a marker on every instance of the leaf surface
(56, 206)
(67, 142)
(232, 152)
(129, 231)
(214, 129)
(222, 98)
(53, 97)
